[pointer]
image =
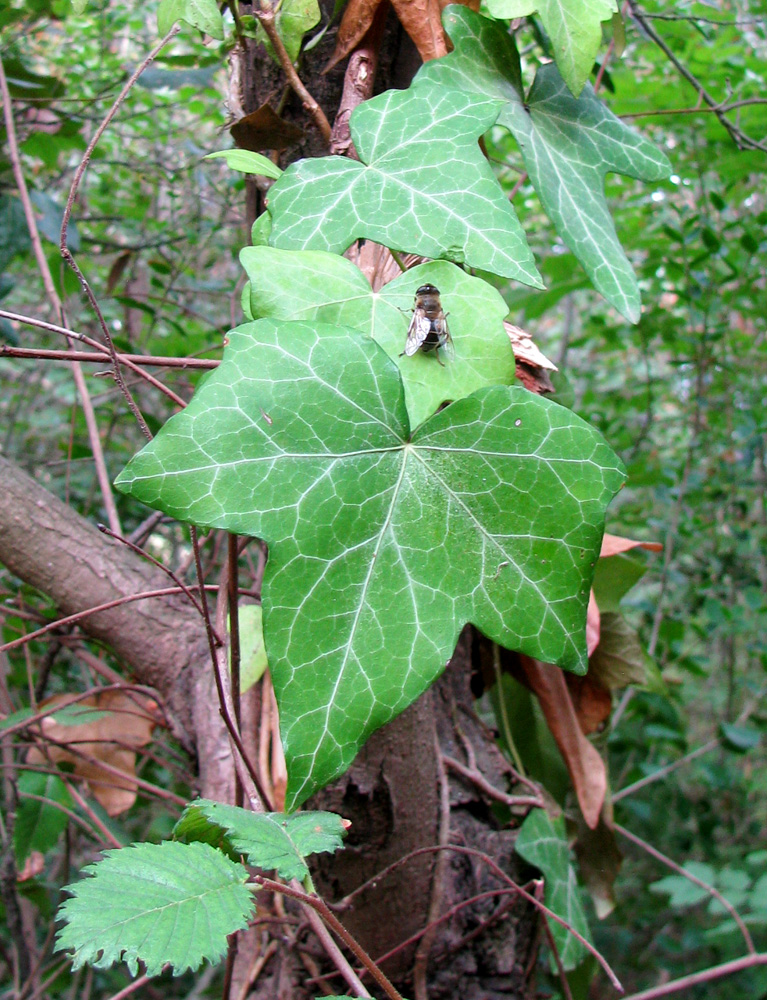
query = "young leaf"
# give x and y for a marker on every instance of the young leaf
(246, 162)
(423, 186)
(268, 840)
(543, 842)
(39, 824)
(253, 660)
(382, 545)
(314, 285)
(160, 904)
(574, 27)
(202, 14)
(568, 145)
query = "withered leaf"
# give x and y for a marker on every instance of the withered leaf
(264, 129)
(422, 19)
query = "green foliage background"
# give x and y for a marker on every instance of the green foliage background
(680, 397)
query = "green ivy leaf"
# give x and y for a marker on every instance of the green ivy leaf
(202, 14)
(382, 545)
(39, 824)
(268, 840)
(246, 162)
(568, 145)
(314, 285)
(158, 904)
(574, 27)
(543, 842)
(421, 162)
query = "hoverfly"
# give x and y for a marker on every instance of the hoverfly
(428, 328)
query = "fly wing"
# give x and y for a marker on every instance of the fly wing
(417, 332)
(446, 342)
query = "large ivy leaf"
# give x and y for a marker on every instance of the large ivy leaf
(543, 842)
(157, 904)
(568, 145)
(382, 545)
(314, 285)
(268, 840)
(574, 27)
(423, 186)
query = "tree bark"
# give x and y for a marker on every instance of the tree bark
(161, 640)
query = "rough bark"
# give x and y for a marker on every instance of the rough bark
(161, 640)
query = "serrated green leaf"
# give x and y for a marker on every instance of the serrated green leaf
(382, 544)
(543, 842)
(247, 162)
(202, 14)
(314, 285)
(160, 904)
(568, 145)
(292, 20)
(421, 162)
(573, 26)
(268, 840)
(39, 824)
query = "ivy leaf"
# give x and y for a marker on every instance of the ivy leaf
(202, 14)
(574, 27)
(543, 842)
(313, 285)
(420, 158)
(568, 145)
(157, 904)
(382, 545)
(268, 840)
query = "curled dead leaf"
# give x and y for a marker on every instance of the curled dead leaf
(421, 19)
(613, 545)
(585, 766)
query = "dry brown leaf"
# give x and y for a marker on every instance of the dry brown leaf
(264, 129)
(613, 545)
(33, 866)
(599, 861)
(592, 702)
(593, 624)
(585, 766)
(422, 19)
(109, 740)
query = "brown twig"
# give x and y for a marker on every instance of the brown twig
(665, 860)
(94, 437)
(706, 976)
(60, 622)
(739, 137)
(338, 929)
(490, 790)
(264, 12)
(66, 253)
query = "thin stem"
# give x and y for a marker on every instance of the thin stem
(66, 253)
(94, 437)
(707, 976)
(664, 859)
(265, 14)
(337, 927)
